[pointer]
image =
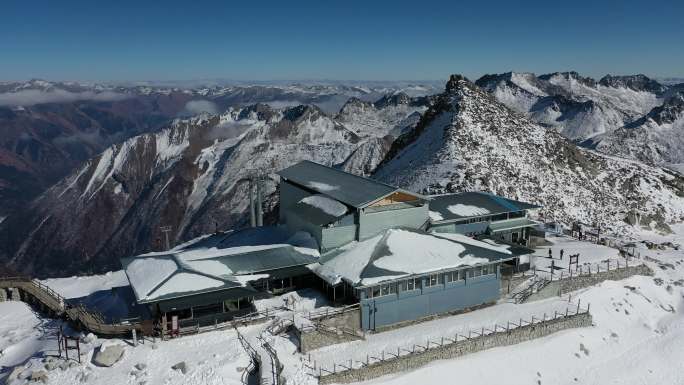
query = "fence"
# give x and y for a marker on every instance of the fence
(387, 358)
(255, 360)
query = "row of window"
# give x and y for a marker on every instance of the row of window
(430, 281)
(492, 218)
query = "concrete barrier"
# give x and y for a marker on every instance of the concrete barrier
(457, 349)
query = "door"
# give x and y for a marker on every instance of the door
(368, 315)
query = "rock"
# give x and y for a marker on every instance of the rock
(14, 374)
(39, 375)
(108, 354)
(182, 366)
(63, 366)
(73, 364)
(50, 366)
(141, 366)
(89, 339)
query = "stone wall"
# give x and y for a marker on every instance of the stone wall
(330, 331)
(317, 338)
(457, 349)
(567, 285)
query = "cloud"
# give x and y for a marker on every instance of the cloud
(195, 107)
(31, 97)
(228, 130)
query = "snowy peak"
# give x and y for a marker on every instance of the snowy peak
(568, 78)
(468, 141)
(392, 100)
(638, 82)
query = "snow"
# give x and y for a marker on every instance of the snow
(320, 186)
(186, 282)
(447, 327)
(213, 358)
(81, 286)
(435, 216)
(146, 273)
(486, 244)
(407, 253)
(327, 205)
(590, 253)
(467, 210)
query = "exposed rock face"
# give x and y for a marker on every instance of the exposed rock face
(470, 141)
(657, 138)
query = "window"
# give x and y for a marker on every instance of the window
(388, 289)
(410, 284)
(434, 280)
(475, 272)
(375, 291)
(450, 276)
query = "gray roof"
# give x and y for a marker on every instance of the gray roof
(218, 262)
(492, 204)
(353, 190)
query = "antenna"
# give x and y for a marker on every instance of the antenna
(166, 230)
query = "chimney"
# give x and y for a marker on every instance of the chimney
(259, 209)
(252, 219)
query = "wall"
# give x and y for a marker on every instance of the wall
(317, 338)
(411, 305)
(371, 223)
(458, 349)
(332, 237)
(295, 223)
(289, 196)
(567, 285)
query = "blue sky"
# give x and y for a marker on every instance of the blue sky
(359, 40)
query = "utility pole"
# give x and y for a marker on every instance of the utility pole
(259, 208)
(252, 218)
(166, 230)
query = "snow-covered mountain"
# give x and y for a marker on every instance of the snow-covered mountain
(656, 138)
(50, 128)
(578, 107)
(470, 141)
(192, 176)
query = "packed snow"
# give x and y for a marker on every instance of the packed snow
(327, 205)
(320, 186)
(467, 210)
(146, 273)
(77, 287)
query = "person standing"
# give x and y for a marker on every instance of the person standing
(550, 253)
(561, 254)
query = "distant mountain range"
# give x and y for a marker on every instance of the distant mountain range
(192, 174)
(630, 116)
(50, 128)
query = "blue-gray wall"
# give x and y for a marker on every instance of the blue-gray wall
(289, 196)
(371, 223)
(468, 228)
(415, 304)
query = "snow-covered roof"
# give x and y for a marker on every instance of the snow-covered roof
(218, 262)
(450, 207)
(320, 209)
(399, 253)
(350, 189)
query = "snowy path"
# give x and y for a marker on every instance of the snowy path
(447, 327)
(590, 253)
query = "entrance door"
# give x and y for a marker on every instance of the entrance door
(368, 315)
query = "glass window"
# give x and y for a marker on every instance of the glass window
(462, 274)
(477, 271)
(375, 291)
(450, 276)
